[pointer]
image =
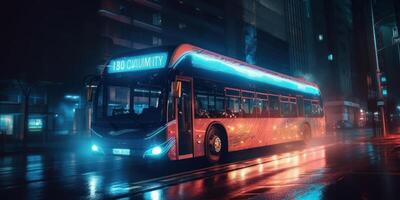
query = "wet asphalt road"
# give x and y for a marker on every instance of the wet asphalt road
(346, 166)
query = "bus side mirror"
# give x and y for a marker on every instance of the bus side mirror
(176, 89)
(90, 93)
(91, 82)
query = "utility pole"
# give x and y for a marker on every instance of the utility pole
(397, 11)
(380, 102)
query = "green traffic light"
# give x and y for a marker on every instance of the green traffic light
(384, 92)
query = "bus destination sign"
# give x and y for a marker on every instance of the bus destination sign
(138, 63)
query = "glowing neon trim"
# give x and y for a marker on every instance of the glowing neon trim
(138, 63)
(211, 63)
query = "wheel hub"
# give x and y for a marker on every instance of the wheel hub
(217, 144)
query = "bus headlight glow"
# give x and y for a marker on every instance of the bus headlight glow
(159, 150)
(95, 148)
(156, 150)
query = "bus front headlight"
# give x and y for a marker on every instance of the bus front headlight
(156, 150)
(95, 148)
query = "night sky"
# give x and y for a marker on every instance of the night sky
(47, 40)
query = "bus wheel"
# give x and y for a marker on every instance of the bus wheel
(215, 145)
(306, 132)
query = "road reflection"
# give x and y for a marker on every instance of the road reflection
(272, 172)
(287, 167)
(290, 171)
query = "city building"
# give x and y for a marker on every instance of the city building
(290, 36)
(253, 31)
(344, 93)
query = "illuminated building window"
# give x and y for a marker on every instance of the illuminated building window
(182, 25)
(330, 57)
(320, 37)
(157, 41)
(6, 124)
(35, 124)
(157, 19)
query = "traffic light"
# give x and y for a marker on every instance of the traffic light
(383, 79)
(384, 90)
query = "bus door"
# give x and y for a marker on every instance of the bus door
(185, 119)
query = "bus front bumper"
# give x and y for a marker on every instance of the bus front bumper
(147, 151)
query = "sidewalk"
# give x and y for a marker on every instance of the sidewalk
(55, 143)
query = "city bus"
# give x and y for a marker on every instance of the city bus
(186, 102)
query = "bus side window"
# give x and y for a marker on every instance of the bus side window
(232, 107)
(288, 107)
(219, 106)
(307, 108)
(245, 107)
(274, 106)
(300, 106)
(249, 108)
(262, 105)
(293, 107)
(201, 109)
(316, 109)
(211, 104)
(263, 108)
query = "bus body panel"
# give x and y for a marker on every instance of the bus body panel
(247, 133)
(172, 133)
(317, 126)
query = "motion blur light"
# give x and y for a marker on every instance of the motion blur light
(156, 150)
(72, 97)
(95, 148)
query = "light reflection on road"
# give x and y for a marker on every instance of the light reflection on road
(287, 171)
(274, 172)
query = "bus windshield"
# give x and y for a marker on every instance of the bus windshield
(144, 104)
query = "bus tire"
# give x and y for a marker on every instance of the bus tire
(306, 133)
(215, 145)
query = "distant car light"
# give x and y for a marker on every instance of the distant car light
(156, 150)
(95, 148)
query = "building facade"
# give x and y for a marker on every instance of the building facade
(292, 37)
(345, 98)
(253, 31)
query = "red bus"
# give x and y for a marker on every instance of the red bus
(186, 102)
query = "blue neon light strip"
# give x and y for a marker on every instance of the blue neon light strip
(138, 63)
(207, 62)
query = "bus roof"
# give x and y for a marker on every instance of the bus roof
(211, 61)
